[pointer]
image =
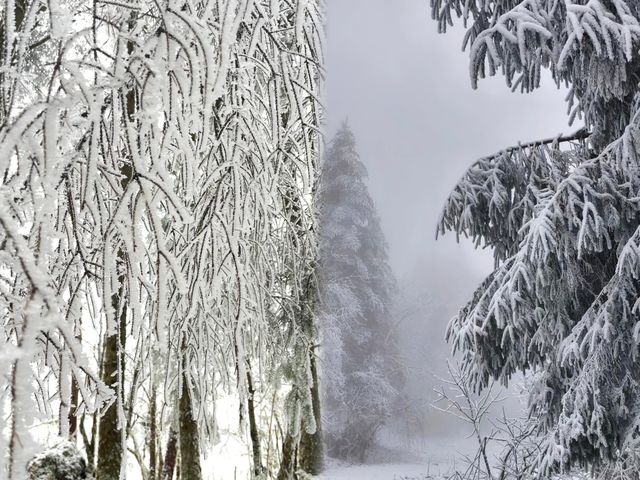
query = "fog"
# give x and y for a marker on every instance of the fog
(406, 93)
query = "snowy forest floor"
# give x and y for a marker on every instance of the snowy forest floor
(385, 471)
(430, 458)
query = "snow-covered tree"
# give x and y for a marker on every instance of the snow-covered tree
(562, 217)
(360, 367)
(145, 150)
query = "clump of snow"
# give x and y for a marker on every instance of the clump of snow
(60, 462)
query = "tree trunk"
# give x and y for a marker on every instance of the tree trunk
(73, 419)
(258, 469)
(109, 434)
(110, 444)
(310, 452)
(153, 435)
(287, 470)
(189, 439)
(75, 394)
(170, 456)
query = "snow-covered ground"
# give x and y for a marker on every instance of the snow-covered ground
(387, 471)
(429, 458)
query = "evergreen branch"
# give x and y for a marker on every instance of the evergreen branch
(581, 134)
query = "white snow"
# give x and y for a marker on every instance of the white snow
(390, 471)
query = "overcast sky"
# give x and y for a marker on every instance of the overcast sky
(406, 92)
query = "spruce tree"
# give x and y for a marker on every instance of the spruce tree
(357, 287)
(562, 217)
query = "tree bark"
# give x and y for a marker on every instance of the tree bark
(73, 418)
(310, 451)
(170, 456)
(189, 439)
(287, 470)
(75, 393)
(258, 469)
(153, 435)
(109, 434)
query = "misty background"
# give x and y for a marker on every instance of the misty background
(406, 93)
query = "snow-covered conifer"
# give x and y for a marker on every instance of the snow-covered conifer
(360, 371)
(562, 218)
